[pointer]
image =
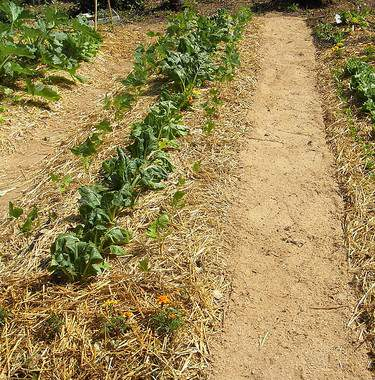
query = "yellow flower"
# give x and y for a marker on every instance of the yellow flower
(110, 302)
(164, 300)
(128, 314)
(196, 92)
(172, 316)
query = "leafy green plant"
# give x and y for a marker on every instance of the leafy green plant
(14, 211)
(63, 182)
(115, 326)
(196, 167)
(208, 126)
(211, 109)
(181, 181)
(167, 320)
(329, 33)
(90, 146)
(369, 53)
(33, 44)
(52, 326)
(156, 227)
(292, 7)
(39, 89)
(362, 83)
(28, 223)
(76, 259)
(355, 18)
(144, 265)
(178, 199)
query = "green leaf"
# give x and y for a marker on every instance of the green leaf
(143, 265)
(152, 34)
(104, 126)
(116, 250)
(181, 181)
(27, 225)
(75, 259)
(14, 211)
(196, 167)
(157, 226)
(18, 51)
(116, 236)
(177, 200)
(208, 126)
(88, 147)
(40, 89)
(11, 10)
(62, 183)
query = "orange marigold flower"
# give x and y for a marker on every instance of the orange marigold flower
(164, 300)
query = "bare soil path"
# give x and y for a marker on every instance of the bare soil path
(291, 299)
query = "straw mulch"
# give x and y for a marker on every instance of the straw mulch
(58, 331)
(351, 137)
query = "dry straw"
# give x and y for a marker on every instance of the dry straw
(357, 182)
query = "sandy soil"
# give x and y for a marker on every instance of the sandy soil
(32, 134)
(291, 299)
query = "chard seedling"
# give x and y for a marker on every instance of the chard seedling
(31, 217)
(178, 199)
(143, 265)
(14, 211)
(156, 227)
(196, 167)
(63, 183)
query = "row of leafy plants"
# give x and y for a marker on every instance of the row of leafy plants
(32, 45)
(358, 73)
(345, 22)
(193, 51)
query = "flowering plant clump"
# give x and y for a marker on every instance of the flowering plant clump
(167, 320)
(115, 326)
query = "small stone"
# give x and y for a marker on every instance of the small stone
(217, 294)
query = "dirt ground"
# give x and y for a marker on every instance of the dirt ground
(291, 300)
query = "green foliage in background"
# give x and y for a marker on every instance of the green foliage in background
(31, 45)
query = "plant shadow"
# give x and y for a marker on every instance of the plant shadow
(262, 7)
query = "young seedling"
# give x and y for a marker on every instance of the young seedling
(196, 167)
(155, 229)
(31, 217)
(115, 326)
(143, 265)
(178, 199)
(52, 326)
(167, 320)
(63, 183)
(14, 211)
